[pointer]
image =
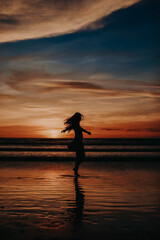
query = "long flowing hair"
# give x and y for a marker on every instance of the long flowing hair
(71, 122)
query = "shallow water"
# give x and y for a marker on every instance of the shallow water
(96, 149)
(107, 199)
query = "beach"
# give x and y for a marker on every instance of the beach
(109, 200)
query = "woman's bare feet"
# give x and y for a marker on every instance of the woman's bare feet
(76, 171)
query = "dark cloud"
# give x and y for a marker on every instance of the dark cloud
(143, 130)
(112, 129)
(8, 20)
(133, 129)
(80, 85)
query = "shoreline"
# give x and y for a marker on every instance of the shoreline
(86, 150)
(87, 159)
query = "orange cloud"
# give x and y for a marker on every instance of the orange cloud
(20, 19)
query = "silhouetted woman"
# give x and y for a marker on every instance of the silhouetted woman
(73, 123)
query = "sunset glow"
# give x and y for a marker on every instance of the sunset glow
(104, 64)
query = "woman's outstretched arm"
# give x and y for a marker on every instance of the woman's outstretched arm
(89, 133)
(66, 129)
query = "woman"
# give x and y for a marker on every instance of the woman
(73, 123)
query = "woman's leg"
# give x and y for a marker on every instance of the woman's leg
(79, 158)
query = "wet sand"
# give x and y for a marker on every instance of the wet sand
(116, 200)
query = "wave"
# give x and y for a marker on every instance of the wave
(32, 149)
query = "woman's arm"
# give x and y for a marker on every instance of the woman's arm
(89, 133)
(66, 129)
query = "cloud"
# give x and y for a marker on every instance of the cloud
(27, 19)
(76, 85)
(37, 82)
(136, 126)
(143, 130)
(111, 129)
(132, 129)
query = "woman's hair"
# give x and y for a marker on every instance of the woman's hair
(70, 122)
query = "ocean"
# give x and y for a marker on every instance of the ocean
(116, 196)
(96, 149)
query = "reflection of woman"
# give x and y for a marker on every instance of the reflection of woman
(75, 209)
(73, 123)
(79, 201)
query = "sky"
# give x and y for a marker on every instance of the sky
(100, 58)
